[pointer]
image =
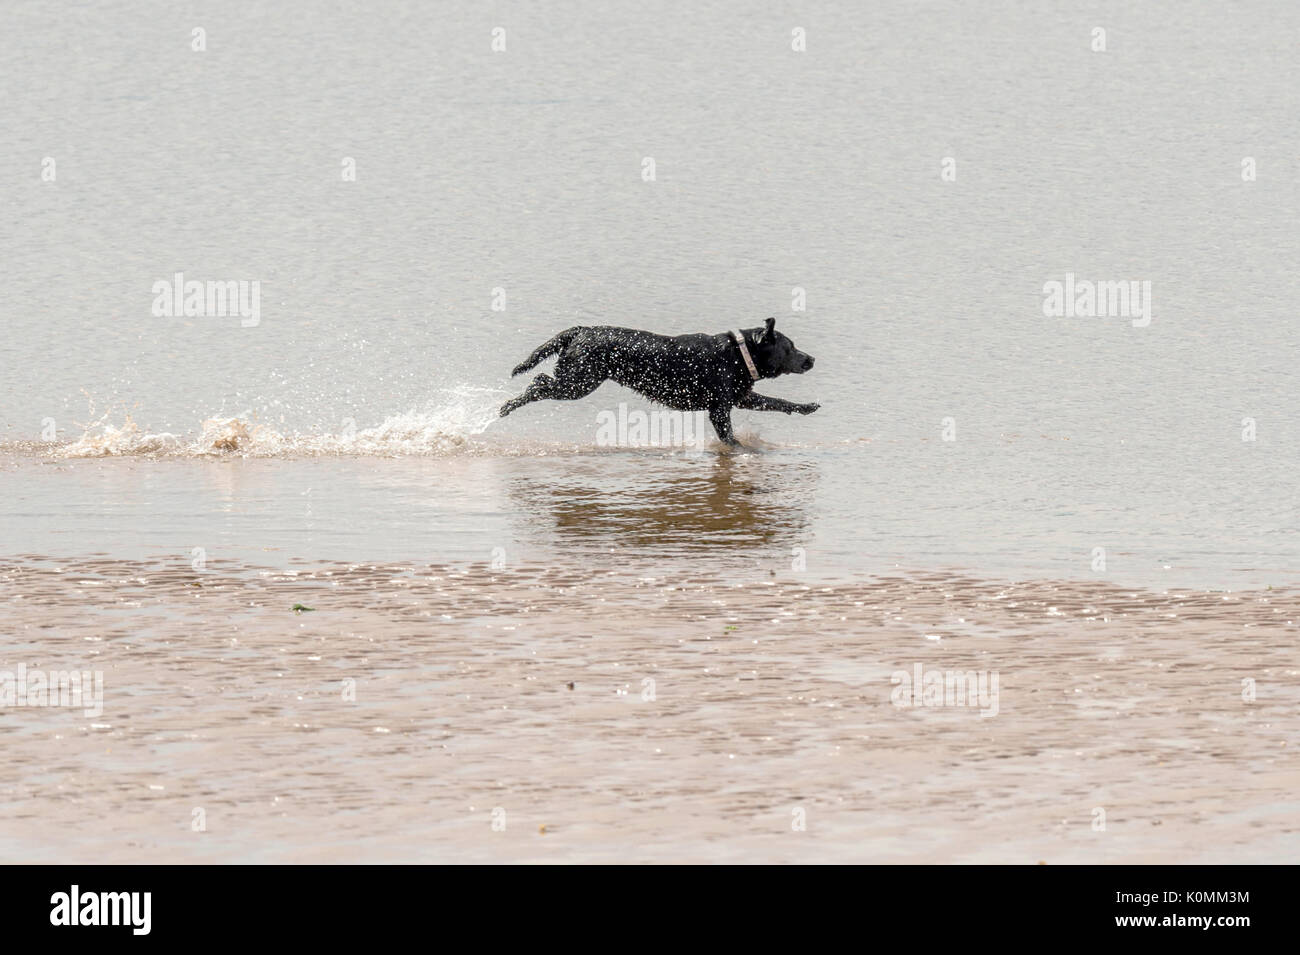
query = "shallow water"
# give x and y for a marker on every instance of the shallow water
(830, 510)
(521, 171)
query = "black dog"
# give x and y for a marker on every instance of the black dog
(712, 373)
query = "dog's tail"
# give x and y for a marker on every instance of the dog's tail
(554, 346)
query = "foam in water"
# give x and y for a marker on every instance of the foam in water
(446, 425)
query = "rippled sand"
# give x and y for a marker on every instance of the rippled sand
(524, 690)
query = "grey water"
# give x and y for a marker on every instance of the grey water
(420, 211)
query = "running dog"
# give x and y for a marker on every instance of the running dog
(699, 372)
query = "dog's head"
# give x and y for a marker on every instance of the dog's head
(774, 354)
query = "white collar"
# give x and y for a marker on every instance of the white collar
(744, 353)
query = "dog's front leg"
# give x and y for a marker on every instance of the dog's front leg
(757, 402)
(720, 417)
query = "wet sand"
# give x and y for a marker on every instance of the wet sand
(518, 696)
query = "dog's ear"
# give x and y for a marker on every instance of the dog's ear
(768, 328)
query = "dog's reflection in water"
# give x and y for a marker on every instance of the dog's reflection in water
(719, 503)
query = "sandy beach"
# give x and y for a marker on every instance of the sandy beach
(547, 714)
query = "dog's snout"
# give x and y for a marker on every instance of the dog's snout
(808, 362)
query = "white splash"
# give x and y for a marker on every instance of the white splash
(445, 426)
(102, 439)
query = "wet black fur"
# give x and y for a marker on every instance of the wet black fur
(686, 372)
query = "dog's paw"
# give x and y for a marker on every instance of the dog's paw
(809, 408)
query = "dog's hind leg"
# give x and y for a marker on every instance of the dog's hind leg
(536, 391)
(562, 388)
(574, 379)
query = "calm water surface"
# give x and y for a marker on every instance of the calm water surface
(522, 171)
